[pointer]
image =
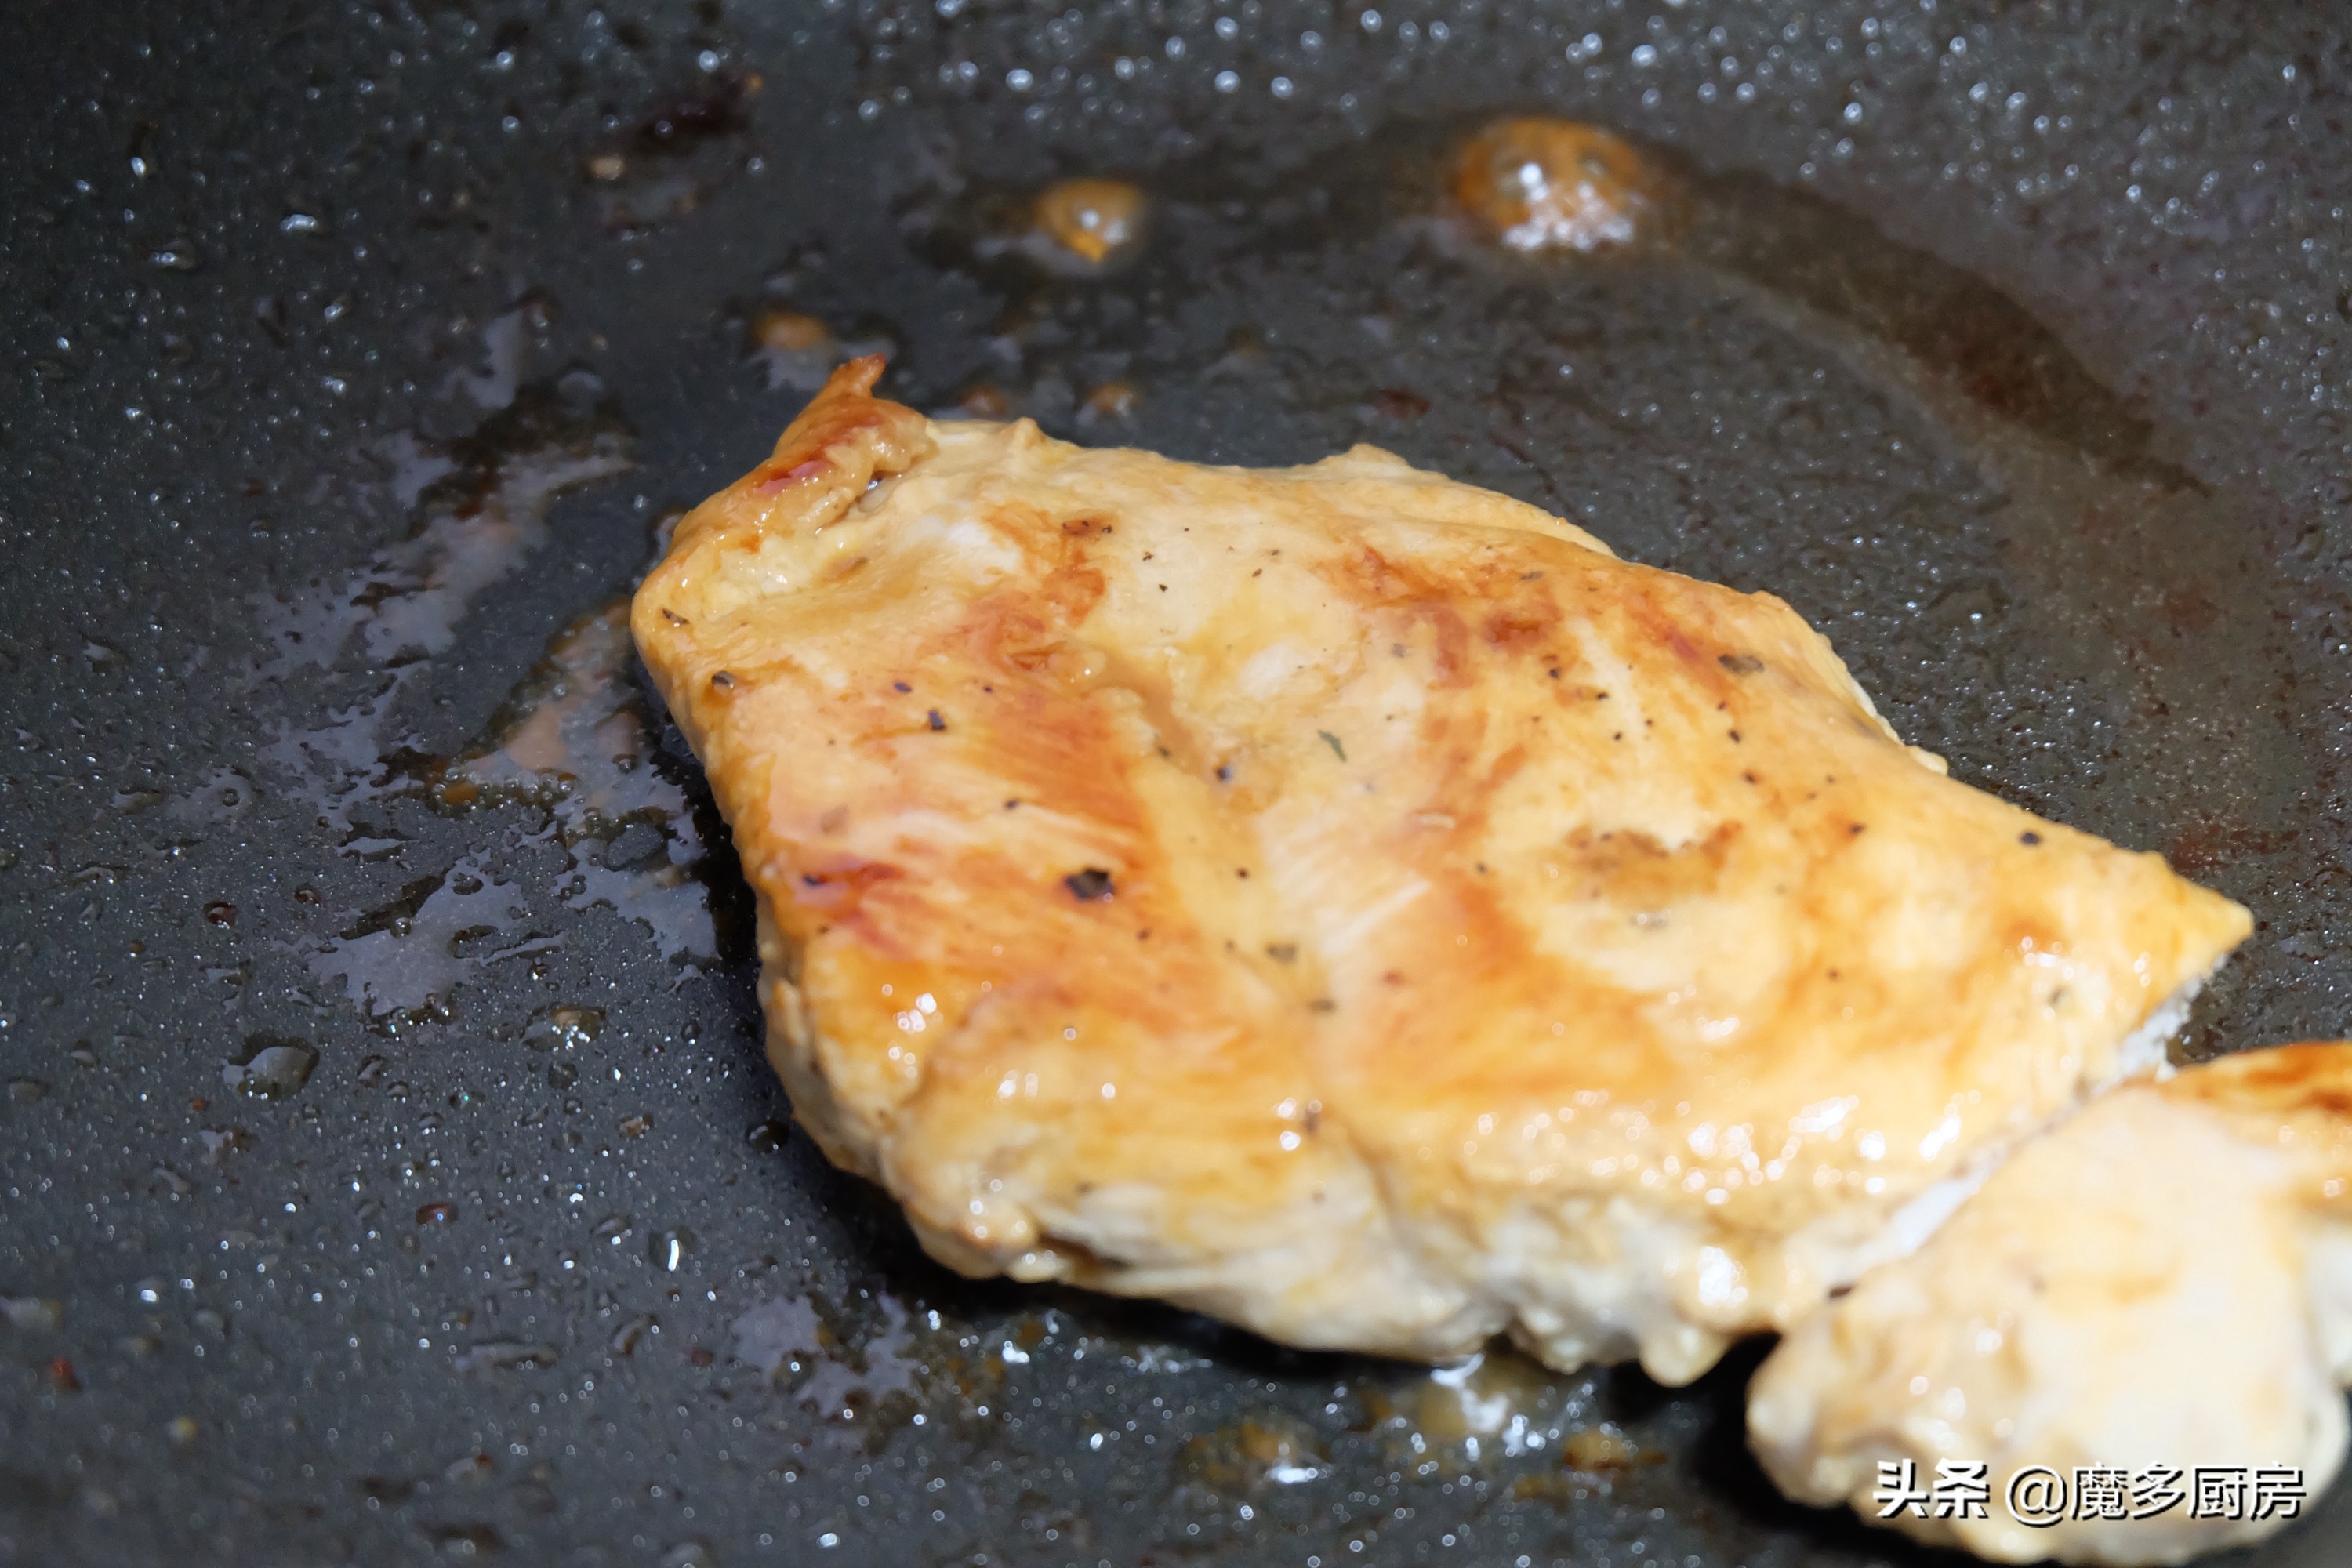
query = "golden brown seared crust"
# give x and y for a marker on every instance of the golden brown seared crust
(1357, 903)
(823, 460)
(826, 458)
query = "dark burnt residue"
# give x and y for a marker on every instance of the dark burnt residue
(1089, 886)
(684, 145)
(713, 107)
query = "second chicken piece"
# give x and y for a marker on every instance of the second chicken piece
(2139, 1330)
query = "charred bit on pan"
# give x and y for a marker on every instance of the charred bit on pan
(1089, 885)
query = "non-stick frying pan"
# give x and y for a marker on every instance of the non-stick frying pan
(388, 1169)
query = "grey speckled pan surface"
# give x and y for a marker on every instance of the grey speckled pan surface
(388, 1171)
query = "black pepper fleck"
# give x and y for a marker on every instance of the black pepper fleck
(938, 722)
(1089, 885)
(2029, 837)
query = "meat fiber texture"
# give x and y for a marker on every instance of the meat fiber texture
(1358, 905)
(2160, 1285)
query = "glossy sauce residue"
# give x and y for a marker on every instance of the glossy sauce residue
(1539, 183)
(1079, 229)
(571, 739)
(575, 739)
(794, 1341)
(402, 961)
(677, 154)
(871, 1359)
(483, 501)
(797, 351)
(1496, 1406)
(1091, 219)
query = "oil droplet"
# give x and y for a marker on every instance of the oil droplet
(1541, 183)
(502, 1355)
(33, 1314)
(469, 1540)
(1091, 219)
(613, 1228)
(985, 400)
(571, 738)
(564, 1027)
(482, 502)
(221, 913)
(575, 738)
(839, 1360)
(789, 331)
(437, 1214)
(1598, 1449)
(670, 1248)
(272, 1067)
(767, 1137)
(1495, 1404)
(797, 351)
(402, 961)
(220, 1143)
(1113, 400)
(1268, 1449)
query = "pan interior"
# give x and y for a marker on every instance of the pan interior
(390, 1164)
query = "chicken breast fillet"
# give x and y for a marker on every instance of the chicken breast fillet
(1358, 905)
(2162, 1284)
